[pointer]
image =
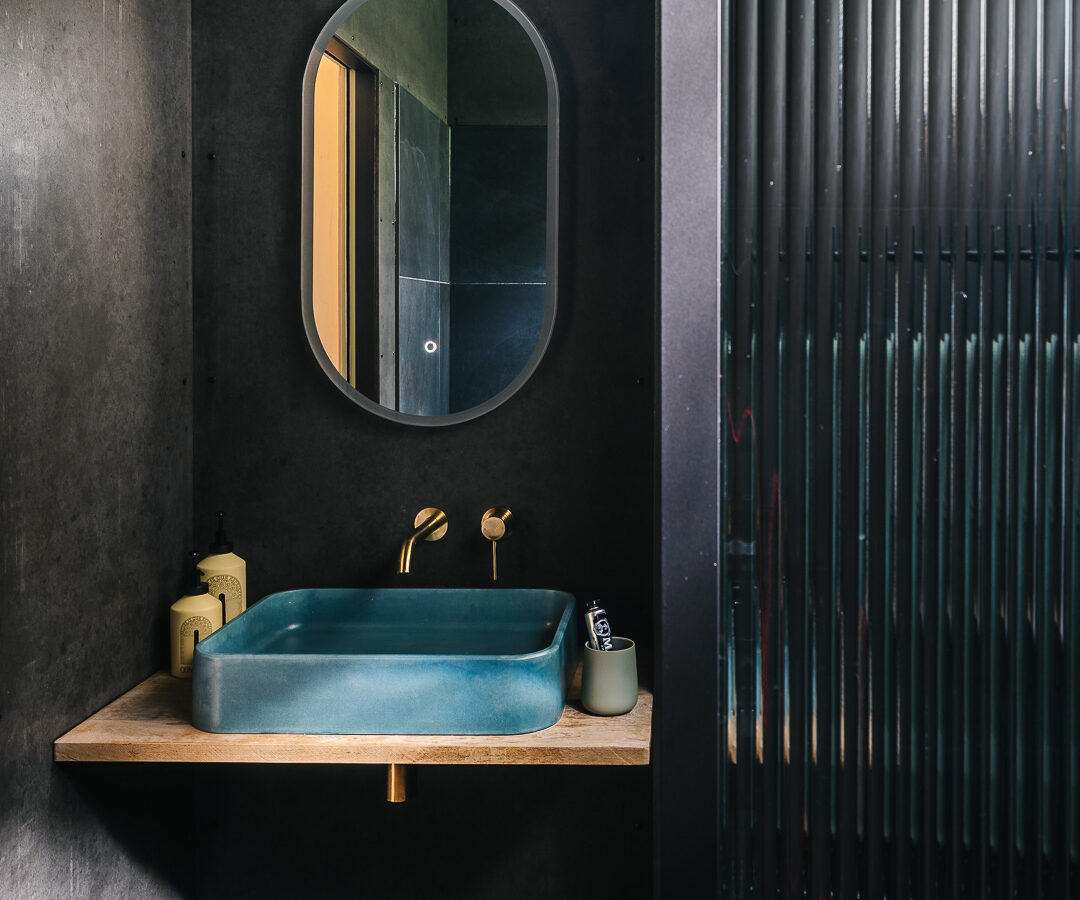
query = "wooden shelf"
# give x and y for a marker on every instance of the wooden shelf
(152, 723)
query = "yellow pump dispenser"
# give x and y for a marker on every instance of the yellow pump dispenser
(225, 573)
(191, 618)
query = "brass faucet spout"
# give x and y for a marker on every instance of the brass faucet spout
(405, 559)
(430, 525)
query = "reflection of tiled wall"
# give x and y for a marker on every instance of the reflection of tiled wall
(497, 256)
(494, 76)
(406, 40)
(423, 241)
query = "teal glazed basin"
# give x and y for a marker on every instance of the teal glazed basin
(389, 661)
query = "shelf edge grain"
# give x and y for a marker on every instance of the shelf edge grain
(151, 723)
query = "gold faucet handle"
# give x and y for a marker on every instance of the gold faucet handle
(495, 525)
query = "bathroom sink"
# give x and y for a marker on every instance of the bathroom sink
(389, 661)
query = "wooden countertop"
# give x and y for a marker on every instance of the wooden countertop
(152, 723)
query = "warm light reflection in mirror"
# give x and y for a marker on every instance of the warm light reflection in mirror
(329, 263)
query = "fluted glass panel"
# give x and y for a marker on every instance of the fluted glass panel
(899, 449)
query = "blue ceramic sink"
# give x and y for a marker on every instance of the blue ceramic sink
(390, 661)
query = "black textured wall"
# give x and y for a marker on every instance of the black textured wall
(95, 427)
(320, 493)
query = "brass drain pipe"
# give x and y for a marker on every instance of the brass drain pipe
(395, 782)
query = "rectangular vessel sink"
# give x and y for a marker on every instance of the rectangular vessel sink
(389, 661)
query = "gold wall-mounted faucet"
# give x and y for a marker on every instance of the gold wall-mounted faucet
(430, 524)
(495, 525)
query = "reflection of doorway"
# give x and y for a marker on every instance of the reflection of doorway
(345, 277)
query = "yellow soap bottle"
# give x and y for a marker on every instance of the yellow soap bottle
(192, 618)
(225, 573)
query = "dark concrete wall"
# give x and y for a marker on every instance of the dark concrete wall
(95, 427)
(321, 493)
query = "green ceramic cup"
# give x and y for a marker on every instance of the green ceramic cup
(609, 684)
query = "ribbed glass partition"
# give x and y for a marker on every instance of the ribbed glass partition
(900, 431)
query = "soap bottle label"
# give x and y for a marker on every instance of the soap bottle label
(192, 624)
(228, 585)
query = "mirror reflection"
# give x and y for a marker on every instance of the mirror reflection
(429, 201)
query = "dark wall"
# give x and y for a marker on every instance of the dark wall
(321, 493)
(95, 426)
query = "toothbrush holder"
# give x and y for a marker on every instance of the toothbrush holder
(609, 684)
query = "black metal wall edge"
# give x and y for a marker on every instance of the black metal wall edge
(685, 730)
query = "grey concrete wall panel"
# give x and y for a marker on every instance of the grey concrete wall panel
(422, 307)
(406, 40)
(423, 196)
(495, 76)
(686, 746)
(95, 428)
(493, 330)
(321, 493)
(497, 215)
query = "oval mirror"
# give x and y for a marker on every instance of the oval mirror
(429, 205)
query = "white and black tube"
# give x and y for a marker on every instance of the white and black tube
(597, 626)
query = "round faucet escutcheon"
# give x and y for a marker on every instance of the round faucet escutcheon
(426, 515)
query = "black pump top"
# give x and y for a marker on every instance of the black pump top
(197, 585)
(221, 544)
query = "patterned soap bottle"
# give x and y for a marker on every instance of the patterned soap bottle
(225, 573)
(192, 618)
